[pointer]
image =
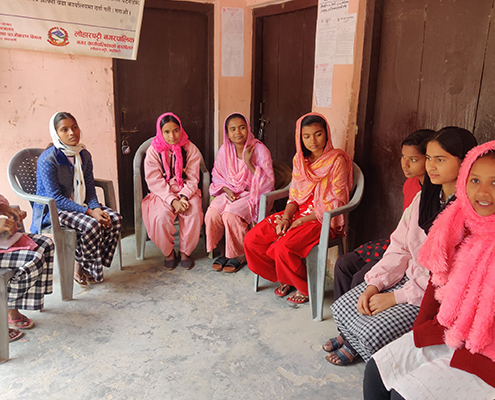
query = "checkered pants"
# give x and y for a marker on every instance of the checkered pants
(368, 334)
(33, 274)
(96, 244)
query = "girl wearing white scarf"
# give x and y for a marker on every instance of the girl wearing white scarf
(65, 173)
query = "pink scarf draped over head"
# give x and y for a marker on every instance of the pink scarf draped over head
(319, 177)
(460, 253)
(162, 147)
(228, 172)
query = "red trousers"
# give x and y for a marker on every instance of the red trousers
(280, 258)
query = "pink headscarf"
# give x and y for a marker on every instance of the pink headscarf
(318, 178)
(236, 176)
(460, 252)
(162, 147)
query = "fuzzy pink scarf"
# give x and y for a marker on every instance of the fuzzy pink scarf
(460, 253)
(161, 146)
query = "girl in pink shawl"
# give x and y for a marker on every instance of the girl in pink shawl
(171, 168)
(321, 181)
(242, 173)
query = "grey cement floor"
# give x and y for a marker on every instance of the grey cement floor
(150, 333)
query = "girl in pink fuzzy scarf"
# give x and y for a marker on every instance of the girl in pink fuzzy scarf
(460, 253)
(450, 354)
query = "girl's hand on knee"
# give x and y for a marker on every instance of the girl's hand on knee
(363, 301)
(282, 225)
(297, 222)
(178, 206)
(230, 195)
(381, 302)
(185, 203)
(101, 216)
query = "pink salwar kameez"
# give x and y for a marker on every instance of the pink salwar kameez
(232, 219)
(158, 213)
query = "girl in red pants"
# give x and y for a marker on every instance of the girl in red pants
(321, 181)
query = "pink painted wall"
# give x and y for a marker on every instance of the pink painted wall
(34, 85)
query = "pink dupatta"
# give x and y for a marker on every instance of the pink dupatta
(460, 253)
(162, 147)
(228, 172)
(324, 178)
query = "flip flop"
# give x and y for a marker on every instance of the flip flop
(233, 265)
(80, 280)
(344, 360)
(21, 323)
(302, 298)
(219, 263)
(283, 290)
(331, 345)
(14, 334)
(91, 279)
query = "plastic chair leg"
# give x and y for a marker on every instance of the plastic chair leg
(65, 260)
(140, 240)
(5, 276)
(256, 282)
(119, 251)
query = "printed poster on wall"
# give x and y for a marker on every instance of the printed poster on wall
(102, 28)
(232, 41)
(335, 31)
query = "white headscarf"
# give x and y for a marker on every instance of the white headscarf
(71, 151)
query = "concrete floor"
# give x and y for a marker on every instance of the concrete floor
(150, 333)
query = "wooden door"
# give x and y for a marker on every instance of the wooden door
(283, 72)
(173, 72)
(430, 64)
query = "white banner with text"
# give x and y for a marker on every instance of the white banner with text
(102, 28)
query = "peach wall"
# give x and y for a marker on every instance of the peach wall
(34, 85)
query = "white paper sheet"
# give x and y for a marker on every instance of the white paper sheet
(232, 41)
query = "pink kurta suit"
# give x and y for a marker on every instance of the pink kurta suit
(232, 219)
(158, 213)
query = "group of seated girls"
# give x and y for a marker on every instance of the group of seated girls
(435, 276)
(321, 180)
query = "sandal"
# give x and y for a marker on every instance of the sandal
(15, 334)
(21, 323)
(233, 265)
(331, 345)
(219, 263)
(283, 290)
(298, 298)
(80, 279)
(343, 358)
(91, 279)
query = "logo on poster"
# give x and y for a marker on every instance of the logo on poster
(58, 36)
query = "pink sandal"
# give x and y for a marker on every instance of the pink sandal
(15, 334)
(298, 298)
(21, 323)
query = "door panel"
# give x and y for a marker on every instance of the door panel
(284, 84)
(435, 69)
(173, 72)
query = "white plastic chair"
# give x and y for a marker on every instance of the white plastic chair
(316, 262)
(22, 177)
(139, 228)
(5, 276)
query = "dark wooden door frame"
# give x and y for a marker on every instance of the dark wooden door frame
(208, 10)
(366, 98)
(257, 51)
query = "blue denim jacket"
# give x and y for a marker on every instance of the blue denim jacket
(55, 179)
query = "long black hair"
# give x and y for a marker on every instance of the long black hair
(457, 142)
(310, 120)
(170, 118)
(419, 139)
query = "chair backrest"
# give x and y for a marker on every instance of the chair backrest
(22, 168)
(358, 185)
